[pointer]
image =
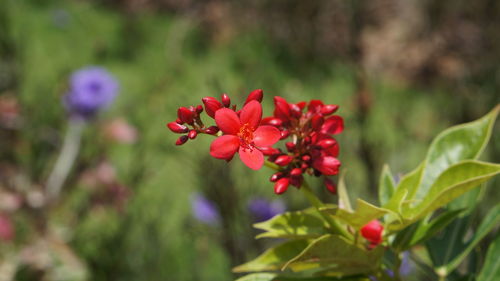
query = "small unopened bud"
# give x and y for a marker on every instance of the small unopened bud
(185, 115)
(181, 140)
(306, 158)
(326, 143)
(307, 140)
(267, 150)
(177, 128)
(272, 121)
(281, 185)
(290, 146)
(281, 109)
(330, 186)
(199, 109)
(284, 134)
(283, 160)
(329, 109)
(295, 172)
(317, 121)
(211, 105)
(372, 232)
(212, 130)
(192, 134)
(295, 110)
(226, 101)
(297, 181)
(304, 166)
(255, 95)
(179, 121)
(276, 176)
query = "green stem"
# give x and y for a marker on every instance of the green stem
(314, 200)
(397, 265)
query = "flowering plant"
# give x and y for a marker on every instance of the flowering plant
(337, 241)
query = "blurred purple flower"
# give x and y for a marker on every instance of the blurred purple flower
(6, 228)
(91, 89)
(204, 210)
(263, 209)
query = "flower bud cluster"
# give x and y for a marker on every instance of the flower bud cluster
(311, 149)
(307, 128)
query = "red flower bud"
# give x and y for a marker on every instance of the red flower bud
(317, 121)
(179, 121)
(276, 176)
(295, 172)
(177, 128)
(329, 109)
(181, 140)
(283, 160)
(199, 109)
(304, 166)
(212, 130)
(192, 134)
(281, 185)
(185, 115)
(255, 95)
(333, 125)
(211, 105)
(272, 121)
(267, 150)
(315, 106)
(284, 134)
(326, 143)
(295, 110)
(281, 109)
(297, 181)
(330, 186)
(372, 232)
(226, 101)
(290, 146)
(306, 158)
(301, 104)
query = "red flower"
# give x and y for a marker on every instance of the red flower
(372, 232)
(243, 134)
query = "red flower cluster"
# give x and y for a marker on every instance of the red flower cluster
(309, 127)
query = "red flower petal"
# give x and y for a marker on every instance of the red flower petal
(266, 136)
(224, 147)
(251, 113)
(333, 125)
(227, 121)
(253, 158)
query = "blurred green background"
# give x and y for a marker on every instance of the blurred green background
(401, 72)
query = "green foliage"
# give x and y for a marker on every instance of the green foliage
(299, 224)
(491, 268)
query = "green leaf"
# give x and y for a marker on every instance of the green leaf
(406, 186)
(458, 143)
(454, 182)
(364, 213)
(300, 224)
(491, 268)
(451, 184)
(274, 258)
(386, 186)
(337, 256)
(258, 277)
(490, 221)
(426, 230)
(344, 201)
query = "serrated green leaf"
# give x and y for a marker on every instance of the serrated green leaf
(338, 256)
(386, 186)
(274, 258)
(300, 224)
(364, 213)
(491, 220)
(458, 143)
(491, 268)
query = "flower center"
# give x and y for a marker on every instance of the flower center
(246, 135)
